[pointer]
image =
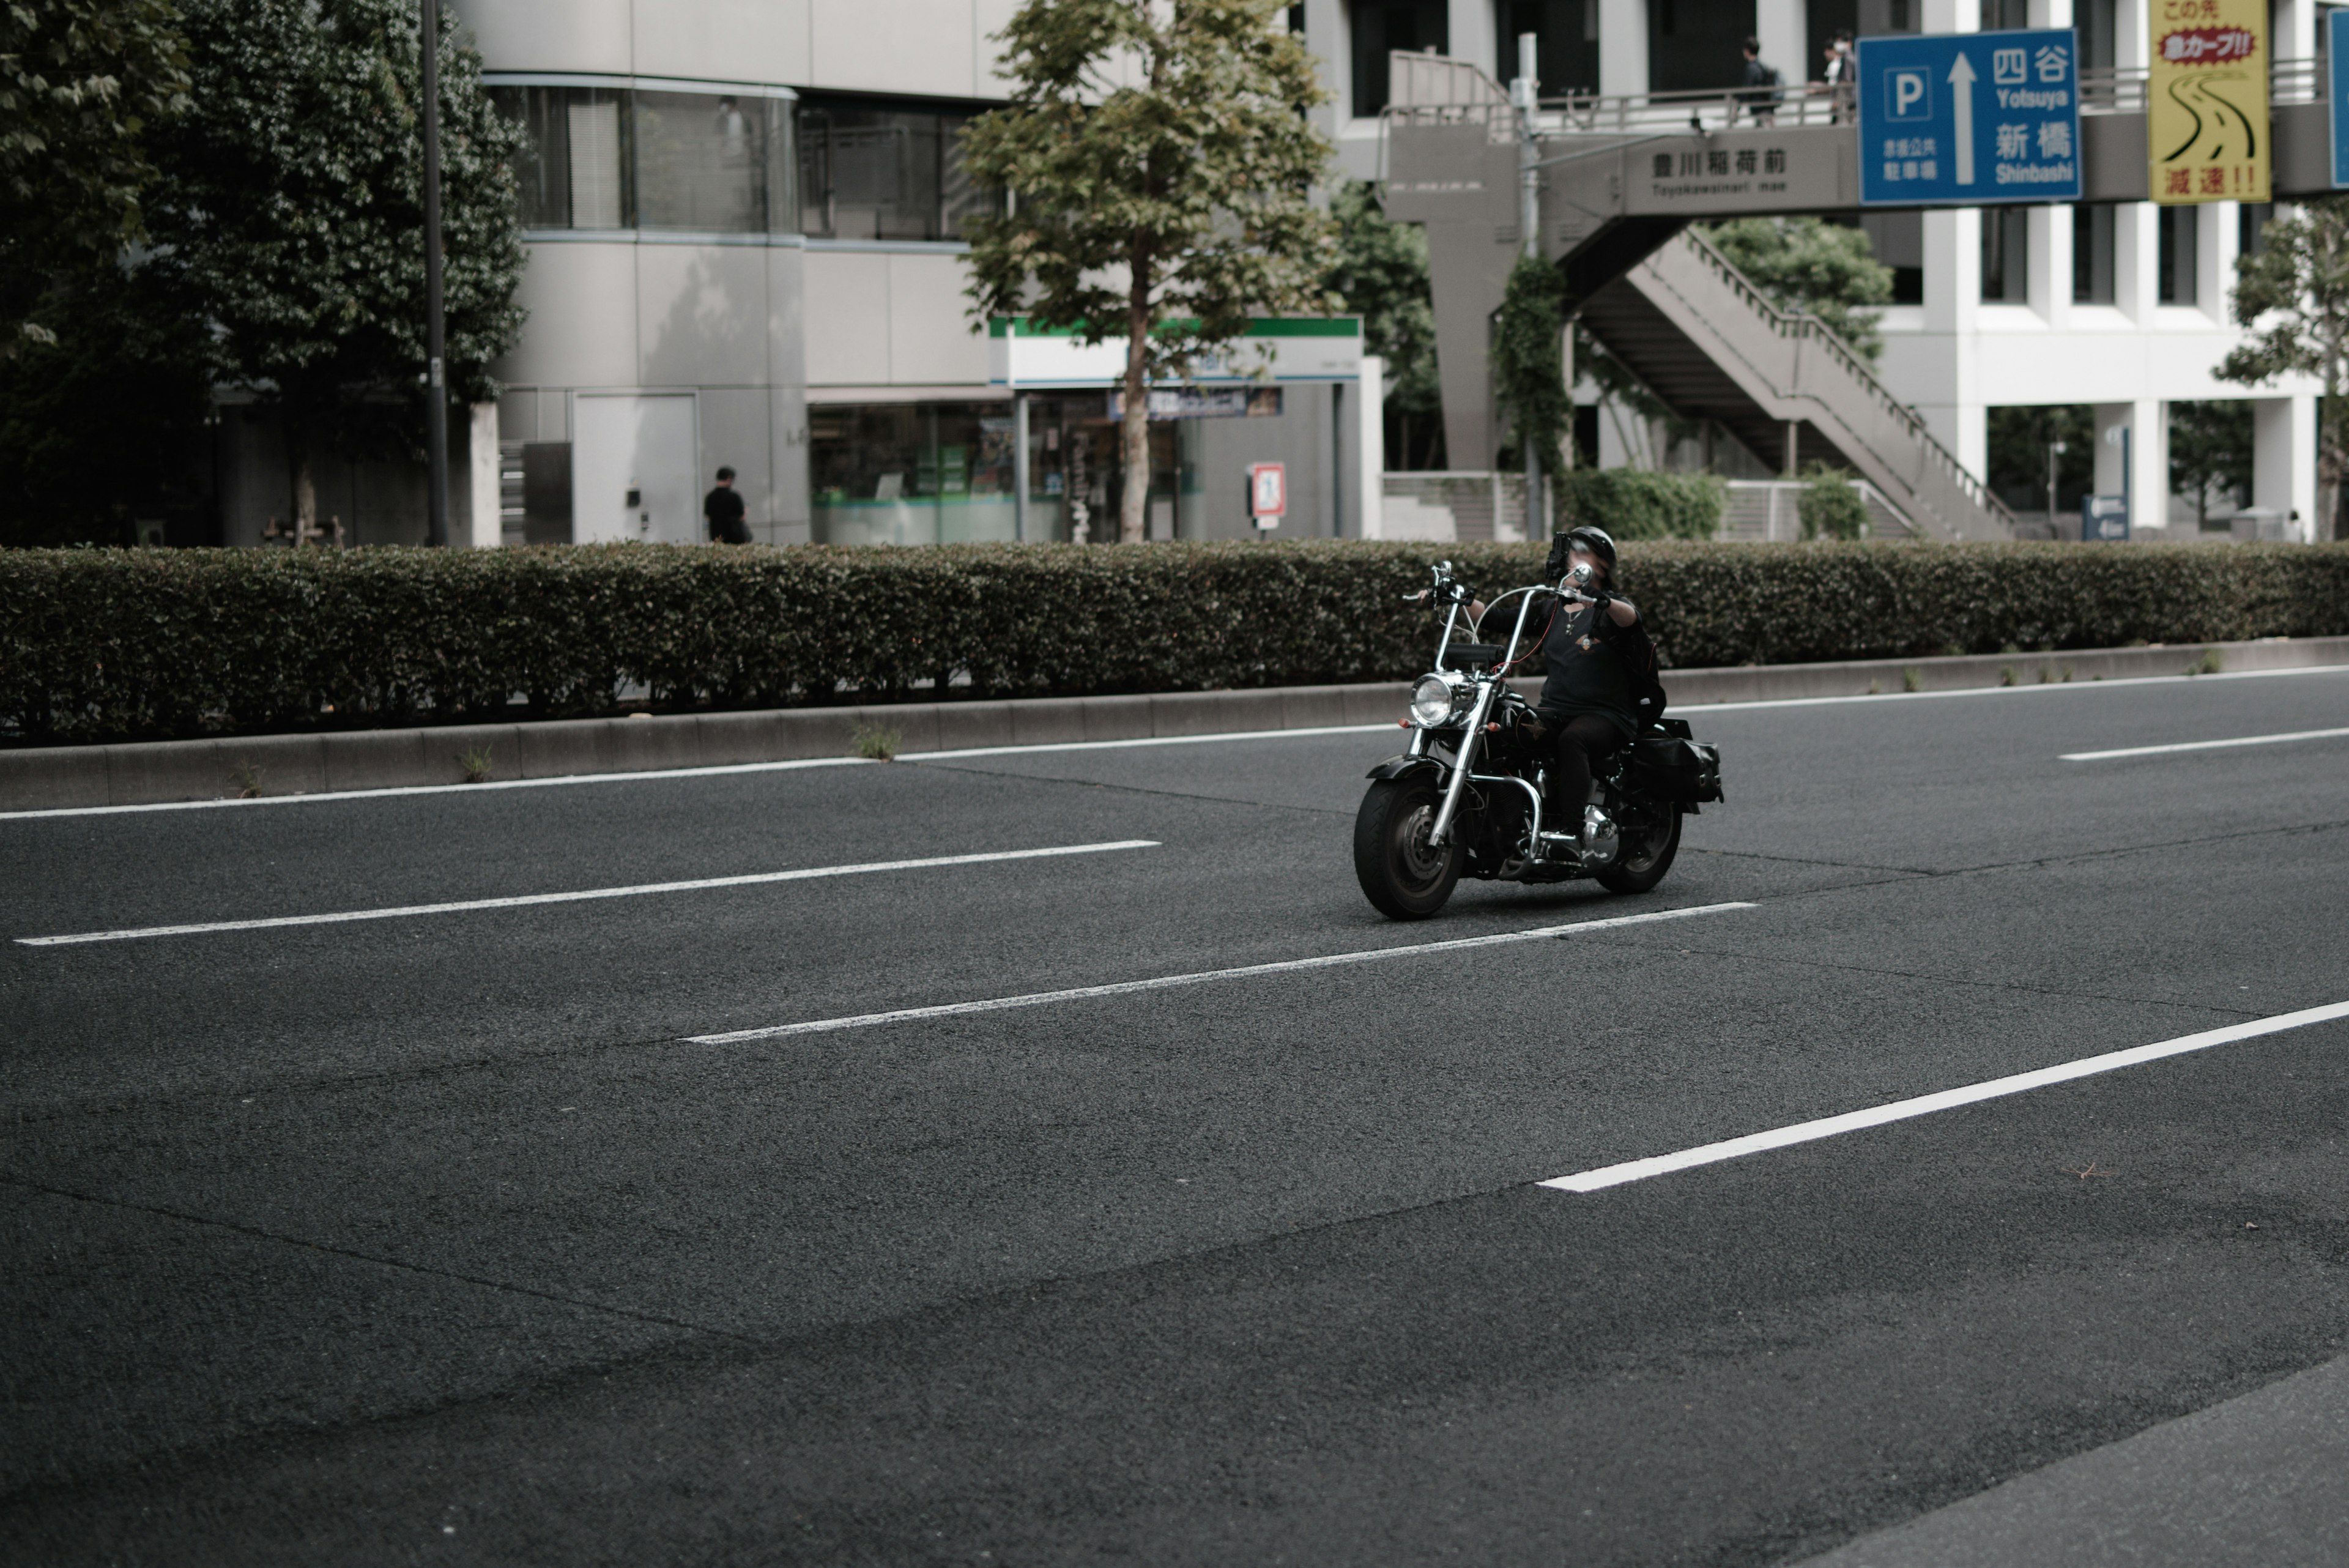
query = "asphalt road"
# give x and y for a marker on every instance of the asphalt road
(443, 1238)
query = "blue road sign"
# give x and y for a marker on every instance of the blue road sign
(1964, 119)
(2335, 20)
(2104, 517)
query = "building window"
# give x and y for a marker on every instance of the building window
(606, 158)
(2005, 256)
(872, 170)
(1694, 44)
(2001, 16)
(2096, 20)
(2092, 255)
(1382, 25)
(1898, 240)
(2178, 226)
(1566, 51)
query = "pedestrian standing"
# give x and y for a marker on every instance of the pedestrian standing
(723, 509)
(1843, 87)
(1763, 87)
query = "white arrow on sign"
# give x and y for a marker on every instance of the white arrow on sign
(1961, 93)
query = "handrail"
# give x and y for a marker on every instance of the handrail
(1801, 325)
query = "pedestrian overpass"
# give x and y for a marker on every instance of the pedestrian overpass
(1622, 178)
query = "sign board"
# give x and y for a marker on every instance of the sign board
(1267, 494)
(2104, 517)
(1970, 118)
(1291, 348)
(1205, 403)
(1729, 171)
(2335, 21)
(2206, 96)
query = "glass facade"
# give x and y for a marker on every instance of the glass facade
(613, 158)
(870, 170)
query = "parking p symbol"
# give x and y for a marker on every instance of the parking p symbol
(1909, 94)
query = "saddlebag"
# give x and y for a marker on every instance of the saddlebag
(1672, 768)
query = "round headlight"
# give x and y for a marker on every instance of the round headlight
(1430, 701)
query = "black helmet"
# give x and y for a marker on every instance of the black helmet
(1594, 540)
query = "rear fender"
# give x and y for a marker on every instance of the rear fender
(1404, 767)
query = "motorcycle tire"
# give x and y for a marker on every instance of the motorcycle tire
(1645, 858)
(1401, 875)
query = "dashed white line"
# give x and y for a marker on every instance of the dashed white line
(405, 911)
(2203, 746)
(1946, 1099)
(1200, 977)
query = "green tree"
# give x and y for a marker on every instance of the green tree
(291, 214)
(2293, 293)
(1381, 277)
(2021, 436)
(1823, 269)
(83, 84)
(1831, 507)
(1526, 361)
(2210, 452)
(1159, 164)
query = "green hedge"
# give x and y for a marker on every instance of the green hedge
(101, 645)
(1635, 503)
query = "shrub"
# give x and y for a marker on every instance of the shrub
(1830, 507)
(1637, 504)
(102, 645)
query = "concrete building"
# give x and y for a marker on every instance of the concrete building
(744, 221)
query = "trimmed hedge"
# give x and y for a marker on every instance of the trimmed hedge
(1641, 504)
(102, 645)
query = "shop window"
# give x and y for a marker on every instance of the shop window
(2091, 254)
(1382, 27)
(877, 171)
(2005, 256)
(2178, 232)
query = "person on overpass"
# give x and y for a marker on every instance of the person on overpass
(1763, 86)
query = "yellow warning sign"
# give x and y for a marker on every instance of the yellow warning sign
(2206, 100)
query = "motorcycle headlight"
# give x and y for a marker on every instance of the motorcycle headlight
(1433, 700)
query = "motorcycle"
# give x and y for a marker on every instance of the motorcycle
(1468, 797)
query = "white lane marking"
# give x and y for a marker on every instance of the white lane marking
(755, 879)
(1679, 709)
(713, 771)
(1926, 1104)
(1202, 977)
(2202, 745)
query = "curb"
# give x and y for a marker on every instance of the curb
(157, 772)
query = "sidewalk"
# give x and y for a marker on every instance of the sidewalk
(147, 772)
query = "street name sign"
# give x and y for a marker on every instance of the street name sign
(1966, 119)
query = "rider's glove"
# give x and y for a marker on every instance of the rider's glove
(1559, 560)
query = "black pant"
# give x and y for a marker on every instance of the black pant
(1583, 743)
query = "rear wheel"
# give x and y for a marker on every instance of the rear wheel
(1405, 877)
(1647, 853)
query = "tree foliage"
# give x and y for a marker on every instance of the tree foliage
(1527, 345)
(2020, 436)
(1159, 164)
(2211, 448)
(2293, 291)
(82, 85)
(1381, 277)
(291, 213)
(1822, 269)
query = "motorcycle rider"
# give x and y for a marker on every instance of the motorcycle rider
(1587, 701)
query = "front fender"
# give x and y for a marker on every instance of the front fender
(1402, 766)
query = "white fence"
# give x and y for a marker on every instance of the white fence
(1485, 505)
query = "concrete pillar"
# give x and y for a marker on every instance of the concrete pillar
(1473, 29)
(2051, 265)
(1622, 46)
(1784, 28)
(2220, 236)
(2284, 460)
(1952, 17)
(1331, 41)
(1370, 446)
(2136, 260)
(2295, 29)
(2148, 422)
(482, 480)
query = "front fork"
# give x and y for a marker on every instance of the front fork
(1440, 834)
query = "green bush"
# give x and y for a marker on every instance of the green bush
(102, 645)
(1830, 507)
(1635, 503)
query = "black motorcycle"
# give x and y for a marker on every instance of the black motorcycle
(1467, 798)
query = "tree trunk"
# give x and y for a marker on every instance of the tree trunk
(1133, 503)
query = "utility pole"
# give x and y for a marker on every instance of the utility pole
(1521, 94)
(436, 378)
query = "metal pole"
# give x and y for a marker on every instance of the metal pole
(436, 379)
(1019, 467)
(1529, 244)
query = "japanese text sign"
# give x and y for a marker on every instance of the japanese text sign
(2335, 45)
(1970, 118)
(1268, 493)
(2206, 100)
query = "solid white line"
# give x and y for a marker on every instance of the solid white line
(753, 880)
(1926, 1104)
(2203, 746)
(1170, 982)
(1679, 709)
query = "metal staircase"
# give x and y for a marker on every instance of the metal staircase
(1705, 341)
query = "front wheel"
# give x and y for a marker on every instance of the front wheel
(1404, 876)
(1647, 853)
